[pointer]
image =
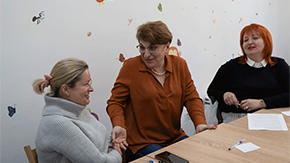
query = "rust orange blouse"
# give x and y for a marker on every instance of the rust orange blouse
(149, 111)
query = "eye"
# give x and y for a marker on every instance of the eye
(142, 48)
(246, 39)
(256, 37)
(152, 48)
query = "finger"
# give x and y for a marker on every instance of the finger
(211, 127)
(113, 135)
(122, 146)
(125, 143)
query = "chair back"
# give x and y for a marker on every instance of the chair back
(31, 154)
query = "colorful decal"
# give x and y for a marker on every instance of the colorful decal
(121, 57)
(89, 34)
(38, 18)
(160, 7)
(178, 42)
(11, 110)
(173, 51)
(130, 21)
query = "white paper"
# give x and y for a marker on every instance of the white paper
(266, 122)
(286, 113)
(247, 147)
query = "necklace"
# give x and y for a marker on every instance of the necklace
(158, 73)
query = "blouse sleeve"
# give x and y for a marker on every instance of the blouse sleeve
(119, 97)
(193, 102)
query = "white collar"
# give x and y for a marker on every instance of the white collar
(252, 63)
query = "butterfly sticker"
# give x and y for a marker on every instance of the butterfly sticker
(100, 2)
(160, 7)
(38, 18)
(11, 110)
(130, 20)
(178, 42)
(89, 34)
(121, 57)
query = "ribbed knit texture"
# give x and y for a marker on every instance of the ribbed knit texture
(69, 133)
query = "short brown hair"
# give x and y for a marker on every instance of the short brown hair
(265, 35)
(154, 32)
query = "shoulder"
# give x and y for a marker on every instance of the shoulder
(232, 62)
(176, 60)
(278, 60)
(55, 122)
(132, 60)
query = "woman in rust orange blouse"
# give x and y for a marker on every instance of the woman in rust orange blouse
(149, 94)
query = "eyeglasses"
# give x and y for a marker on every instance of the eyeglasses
(150, 49)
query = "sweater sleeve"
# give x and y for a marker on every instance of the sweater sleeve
(120, 94)
(218, 86)
(68, 140)
(282, 99)
(193, 102)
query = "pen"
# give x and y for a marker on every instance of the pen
(240, 142)
(150, 161)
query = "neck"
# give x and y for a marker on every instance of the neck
(256, 58)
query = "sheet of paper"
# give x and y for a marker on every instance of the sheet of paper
(286, 113)
(261, 121)
(247, 147)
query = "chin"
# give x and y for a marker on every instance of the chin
(149, 65)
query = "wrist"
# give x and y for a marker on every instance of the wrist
(262, 103)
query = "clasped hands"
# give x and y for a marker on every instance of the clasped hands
(247, 105)
(119, 136)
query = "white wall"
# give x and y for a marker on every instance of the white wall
(208, 30)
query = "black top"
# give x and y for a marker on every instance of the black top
(270, 83)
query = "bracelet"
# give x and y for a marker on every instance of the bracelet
(263, 105)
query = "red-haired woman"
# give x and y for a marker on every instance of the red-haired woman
(253, 81)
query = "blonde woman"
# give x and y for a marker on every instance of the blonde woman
(67, 131)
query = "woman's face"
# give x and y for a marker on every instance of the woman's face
(80, 92)
(253, 44)
(153, 55)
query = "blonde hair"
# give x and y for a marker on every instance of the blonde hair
(66, 71)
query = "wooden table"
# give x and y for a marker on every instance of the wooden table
(212, 145)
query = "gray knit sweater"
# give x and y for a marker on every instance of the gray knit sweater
(69, 133)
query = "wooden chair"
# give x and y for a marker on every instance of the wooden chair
(31, 154)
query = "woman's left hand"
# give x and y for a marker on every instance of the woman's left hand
(202, 127)
(250, 105)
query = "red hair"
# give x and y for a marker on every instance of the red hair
(265, 35)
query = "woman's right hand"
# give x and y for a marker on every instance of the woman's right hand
(119, 136)
(231, 99)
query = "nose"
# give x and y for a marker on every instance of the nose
(250, 41)
(146, 53)
(91, 89)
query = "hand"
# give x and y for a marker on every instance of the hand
(202, 127)
(119, 136)
(250, 105)
(231, 99)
